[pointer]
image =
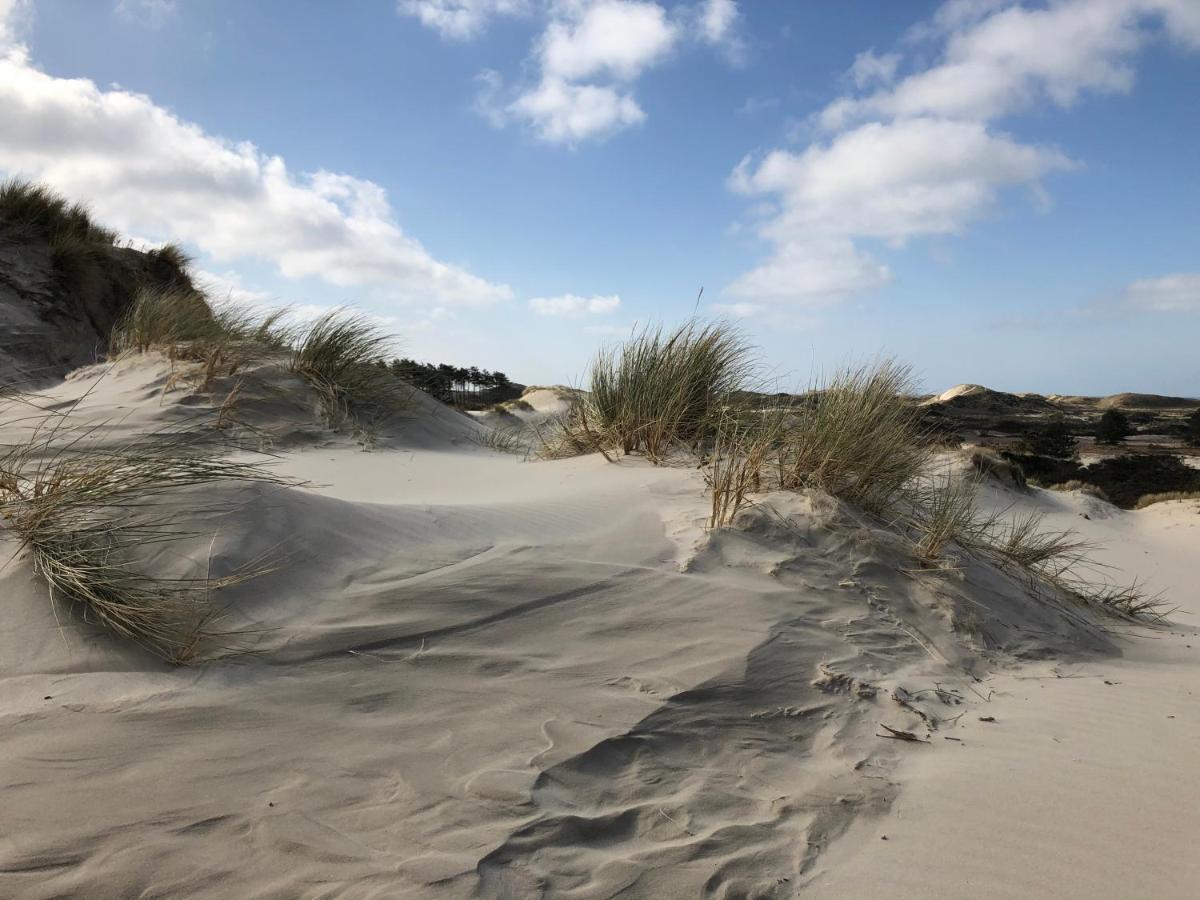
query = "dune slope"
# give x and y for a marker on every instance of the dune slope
(477, 676)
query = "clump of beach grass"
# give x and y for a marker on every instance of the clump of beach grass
(661, 391)
(338, 354)
(859, 437)
(171, 318)
(42, 212)
(945, 512)
(90, 518)
(745, 442)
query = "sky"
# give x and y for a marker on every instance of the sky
(996, 192)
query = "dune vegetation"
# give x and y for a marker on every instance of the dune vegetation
(858, 435)
(91, 518)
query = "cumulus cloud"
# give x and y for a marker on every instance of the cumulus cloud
(1004, 59)
(14, 20)
(565, 113)
(1170, 293)
(919, 155)
(611, 40)
(573, 306)
(146, 171)
(460, 20)
(619, 38)
(718, 26)
(871, 68)
(587, 58)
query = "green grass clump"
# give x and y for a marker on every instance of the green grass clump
(661, 391)
(338, 354)
(859, 437)
(39, 211)
(171, 318)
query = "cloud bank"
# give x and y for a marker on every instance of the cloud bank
(903, 157)
(148, 172)
(573, 306)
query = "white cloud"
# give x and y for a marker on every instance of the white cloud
(617, 38)
(15, 16)
(573, 306)
(588, 58)
(997, 61)
(813, 272)
(600, 39)
(564, 113)
(146, 171)
(1170, 293)
(871, 68)
(229, 286)
(918, 156)
(460, 20)
(893, 180)
(718, 26)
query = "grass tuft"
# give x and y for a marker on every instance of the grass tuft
(859, 437)
(662, 391)
(89, 518)
(1166, 496)
(338, 355)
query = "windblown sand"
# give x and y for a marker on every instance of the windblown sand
(480, 676)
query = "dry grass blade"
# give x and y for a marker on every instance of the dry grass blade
(945, 512)
(90, 518)
(1023, 541)
(745, 443)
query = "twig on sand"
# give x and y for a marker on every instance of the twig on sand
(904, 698)
(897, 735)
(662, 812)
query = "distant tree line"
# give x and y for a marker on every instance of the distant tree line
(455, 385)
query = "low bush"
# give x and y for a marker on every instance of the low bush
(1053, 440)
(1126, 479)
(1150, 499)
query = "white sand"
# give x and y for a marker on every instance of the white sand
(478, 676)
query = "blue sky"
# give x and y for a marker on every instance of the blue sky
(995, 192)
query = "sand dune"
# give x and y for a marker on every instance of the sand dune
(477, 676)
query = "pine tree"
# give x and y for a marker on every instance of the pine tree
(1113, 427)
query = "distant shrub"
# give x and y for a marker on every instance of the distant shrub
(1165, 497)
(1192, 428)
(1044, 470)
(1113, 427)
(1084, 487)
(1126, 479)
(1054, 439)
